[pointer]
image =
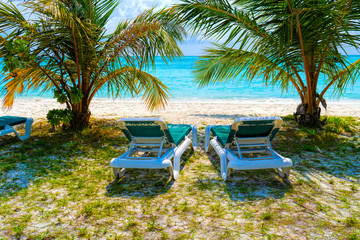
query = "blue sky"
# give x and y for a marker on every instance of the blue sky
(128, 9)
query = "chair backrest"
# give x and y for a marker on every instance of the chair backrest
(249, 127)
(145, 127)
(11, 121)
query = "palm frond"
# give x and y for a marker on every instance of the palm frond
(135, 82)
(70, 49)
(11, 17)
(141, 40)
(222, 64)
(276, 40)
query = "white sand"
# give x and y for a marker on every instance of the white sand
(196, 112)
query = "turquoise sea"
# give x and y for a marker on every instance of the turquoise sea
(178, 77)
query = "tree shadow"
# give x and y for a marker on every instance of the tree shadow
(319, 157)
(317, 171)
(47, 154)
(140, 183)
(251, 185)
(254, 185)
(320, 168)
(221, 116)
(325, 152)
(32, 160)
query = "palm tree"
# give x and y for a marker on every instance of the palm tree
(64, 46)
(286, 42)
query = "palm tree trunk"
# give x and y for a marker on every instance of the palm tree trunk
(308, 112)
(308, 118)
(81, 116)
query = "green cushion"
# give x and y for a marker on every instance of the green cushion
(178, 132)
(225, 135)
(256, 129)
(222, 133)
(175, 133)
(145, 130)
(11, 120)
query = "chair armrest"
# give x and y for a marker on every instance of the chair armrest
(207, 137)
(194, 136)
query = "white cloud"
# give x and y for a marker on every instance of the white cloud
(130, 9)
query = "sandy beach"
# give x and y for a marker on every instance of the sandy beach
(195, 112)
(62, 184)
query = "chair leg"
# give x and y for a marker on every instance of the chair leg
(283, 172)
(119, 172)
(286, 172)
(172, 174)
(228, 173)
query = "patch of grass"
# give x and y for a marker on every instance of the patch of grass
(354, 188)
(18, 230)
(320, 207)
(131, 224)
(64, 186)
(248, 215)
(324, 139)
(267, 216)
(353, 236)
(351, 222)
(152, 225)
(341, 124)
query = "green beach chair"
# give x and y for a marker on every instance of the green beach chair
(245, 145)
(7, 124)
(153, 144)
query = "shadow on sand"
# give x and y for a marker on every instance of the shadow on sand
(221, 116)
(35, 159)
(251, 185)
(142, 183)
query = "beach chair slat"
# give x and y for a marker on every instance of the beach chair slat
(257, 129)
(251, 136)
(7, 124)
(11, 121)
(146, 128)
(145, 131)
(153, 135)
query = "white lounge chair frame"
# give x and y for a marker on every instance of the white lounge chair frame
(232, 158)
(10, 129)
(165, 152)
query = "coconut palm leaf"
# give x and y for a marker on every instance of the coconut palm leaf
(70, 50)
(277, 40)
(10, 17)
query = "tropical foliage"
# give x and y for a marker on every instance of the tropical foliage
(285, 42)
(64, 46)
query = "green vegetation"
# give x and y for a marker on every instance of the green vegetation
(286, 43)
(59, 185)
(64, 47)
(56, 117)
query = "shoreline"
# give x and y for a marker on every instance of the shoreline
(200, 113)
(197, 100)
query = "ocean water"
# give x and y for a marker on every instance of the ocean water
(178, 76)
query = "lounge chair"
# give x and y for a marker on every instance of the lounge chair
(153, 144)
(245, 145)
(7, 124)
